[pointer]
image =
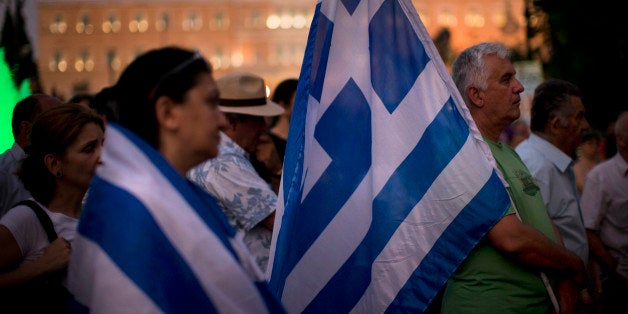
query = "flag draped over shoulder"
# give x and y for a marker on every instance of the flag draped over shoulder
(151, 241)
(387, 184)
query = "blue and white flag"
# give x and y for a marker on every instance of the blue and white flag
(387, 183)
(150, 241)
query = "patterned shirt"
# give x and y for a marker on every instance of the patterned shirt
(243, 195)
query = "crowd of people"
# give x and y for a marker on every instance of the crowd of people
(216, 146)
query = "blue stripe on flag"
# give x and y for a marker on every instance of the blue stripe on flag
(465, 230)
(324, 29)
(293, 157)
(198, 199)
(443, 138)
(121, 240)
(350, 5)
(351, 161)
(293, 160)
(397, 55)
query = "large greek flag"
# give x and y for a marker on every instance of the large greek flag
(150, 241)
(387, 183)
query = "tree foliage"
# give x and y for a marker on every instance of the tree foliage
(585, 42)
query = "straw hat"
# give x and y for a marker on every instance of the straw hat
(245, 93)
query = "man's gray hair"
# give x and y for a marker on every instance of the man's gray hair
(621, 125)
(469, 69)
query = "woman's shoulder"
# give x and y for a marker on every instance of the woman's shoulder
(19, 215)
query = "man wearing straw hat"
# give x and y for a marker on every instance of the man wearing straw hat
(247, 200)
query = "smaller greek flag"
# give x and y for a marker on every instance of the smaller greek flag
(150, 241)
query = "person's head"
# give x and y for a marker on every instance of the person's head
(589, 147)
(82, 99)
(284, 94)
(486, 79)
(557, 114)
(520, 132)
(621, 134)
(169, 98)
(104, 104)
(66, 142)
(243, 100)
(25, 112)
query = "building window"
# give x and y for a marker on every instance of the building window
(297, 55)
(280, 55)
(219, 59)
(58, 25)
(112, 24)
(57, 62)
(84, 25)
(113, 61)
(219, 21)
(287, 20)
(192, 22)
(447, 18)
(273, 21)
(237, 59)
(254, 20)
(138, 24)
(299, 20)
(423, 16)
(473, 18)
(84, 62)
(163, 22)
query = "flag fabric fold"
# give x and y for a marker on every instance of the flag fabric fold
(150, 241)
(387, 183)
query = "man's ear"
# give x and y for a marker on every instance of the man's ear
(475, 96)
(24, 127)
(554, 124)
(167, 113)
(232, 123)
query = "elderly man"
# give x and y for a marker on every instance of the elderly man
(557, 122)
(605, 211)
(247, 200)
(24, 113)
(502, 273)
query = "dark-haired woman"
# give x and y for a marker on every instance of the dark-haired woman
(66, 142)
(149, 240)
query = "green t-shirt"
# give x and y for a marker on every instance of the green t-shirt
(487, 281)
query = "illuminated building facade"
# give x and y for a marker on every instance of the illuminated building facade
(84, 45)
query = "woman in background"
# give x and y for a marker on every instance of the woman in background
(66, 141)
(150, 240)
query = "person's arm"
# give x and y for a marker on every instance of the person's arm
(599, 252)
(55, 258)
(566, 290)
(249, 199)
(529, 247)
(593, 210)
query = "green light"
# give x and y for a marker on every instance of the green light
(9, 96)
